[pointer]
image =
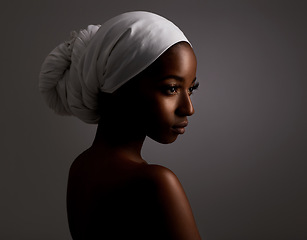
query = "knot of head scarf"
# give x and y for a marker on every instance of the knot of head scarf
(102, 58)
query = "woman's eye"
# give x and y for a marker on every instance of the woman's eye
(173, 89)
(191, 89)
(170, 90)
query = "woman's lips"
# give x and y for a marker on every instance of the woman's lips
(179, 128)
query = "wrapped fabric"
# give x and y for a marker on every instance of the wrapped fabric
(103, 58)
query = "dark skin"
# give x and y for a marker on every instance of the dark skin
(113, 193)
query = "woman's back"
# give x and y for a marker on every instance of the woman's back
(112, 198)
(116, 198)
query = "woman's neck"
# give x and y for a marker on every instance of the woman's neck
(121, 140)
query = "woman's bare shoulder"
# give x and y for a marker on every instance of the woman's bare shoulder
(173, 201)
(155, 169)
(160, 175)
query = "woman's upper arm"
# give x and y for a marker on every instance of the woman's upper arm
(175, 205)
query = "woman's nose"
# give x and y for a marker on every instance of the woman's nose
(185, 106)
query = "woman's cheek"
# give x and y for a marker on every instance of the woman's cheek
(167, 106)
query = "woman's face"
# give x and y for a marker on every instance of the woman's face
(165, 89)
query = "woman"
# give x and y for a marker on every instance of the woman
(133, 76)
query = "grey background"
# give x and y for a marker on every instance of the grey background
(242, 160)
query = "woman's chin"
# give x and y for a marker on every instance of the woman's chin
(164, 139)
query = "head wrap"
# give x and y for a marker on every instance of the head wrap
(103, 58)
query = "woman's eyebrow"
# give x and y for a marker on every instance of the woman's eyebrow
(178, 78)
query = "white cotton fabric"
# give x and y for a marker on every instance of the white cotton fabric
(103, 58)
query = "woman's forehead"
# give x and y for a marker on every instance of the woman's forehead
(178, 61)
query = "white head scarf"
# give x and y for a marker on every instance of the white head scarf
(103, 58)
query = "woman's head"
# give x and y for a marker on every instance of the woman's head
(102, 59)
(157, 101)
